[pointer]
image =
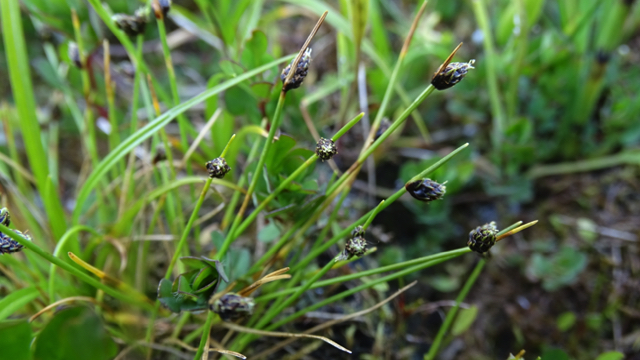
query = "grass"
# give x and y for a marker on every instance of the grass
(278, 207)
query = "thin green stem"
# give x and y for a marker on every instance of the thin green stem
(352, 291)
(393, 78)
(347, 127)
(238, 229)
(362, 274)
(205, 335)
(316, 252)
(275, 124)
(397, 123)
(433, 350)
(375, 212)
(277, 309)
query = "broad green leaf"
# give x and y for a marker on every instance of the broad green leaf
(611, 355)
(278, 152)
(554, 354)
(75, 334)
(15, 339)
(269, 233)
(566, 321)
(16, 300)
(464, 320)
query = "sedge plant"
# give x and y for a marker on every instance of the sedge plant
(131, 206)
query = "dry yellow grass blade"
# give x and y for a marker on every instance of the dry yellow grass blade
(276, 275)
(243, 329)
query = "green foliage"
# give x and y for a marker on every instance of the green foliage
(74, 333)
(15, 339)
(558, 269)
(610, 355)
(191, 291)
(465, 319)
(566, 321)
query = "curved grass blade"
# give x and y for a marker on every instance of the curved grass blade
(151, 128)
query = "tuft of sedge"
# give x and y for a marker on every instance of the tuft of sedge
(74, 54)
(232, 306)
(300, 73)
(482, 238)
(326, 149)
(217, 168)
(161, 8)
(426, 190)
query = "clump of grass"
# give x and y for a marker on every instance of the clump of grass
(150, 200)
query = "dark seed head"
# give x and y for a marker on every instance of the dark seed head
(232, 306)
(161, 8)
(218, 168)
(74, 54)
(5, 217)
(326, 149)
(356, 246)
(451, 74)
(131, 25)
(384, 126)
(300, 73)
(358, 231)
(9, 246)
(426, 190)
(482, 238)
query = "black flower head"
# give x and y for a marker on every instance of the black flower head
(131, 25)
(356, 246)
(326, 149)
(451, 74)
(299, 74)
(9, 246)
(426, 190)
(218, 168)
(482, 238)
(231, 306)
(5, 217)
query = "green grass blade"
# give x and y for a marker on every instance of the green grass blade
(20, 76)
(154, 126)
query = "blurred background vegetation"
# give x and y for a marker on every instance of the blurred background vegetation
(552, 112)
